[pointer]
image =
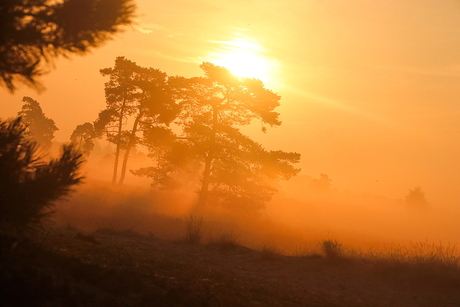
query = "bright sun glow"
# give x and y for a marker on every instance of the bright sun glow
(244, 59)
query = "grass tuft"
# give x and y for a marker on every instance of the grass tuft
(332, 249)
(195, 229)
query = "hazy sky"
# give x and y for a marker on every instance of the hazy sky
(370, 89)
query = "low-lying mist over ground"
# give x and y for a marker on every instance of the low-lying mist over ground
(306, 211)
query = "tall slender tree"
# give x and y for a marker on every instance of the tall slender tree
(137, 93)
(120, 94)
(155, 109)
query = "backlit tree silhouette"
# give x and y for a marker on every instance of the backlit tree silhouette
(33, 32)
(29, 186)
(39, 127)
(235, 171)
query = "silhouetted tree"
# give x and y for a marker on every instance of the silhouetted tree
(33, 32)
(83, 137)
(235, 170)
(141, 94)
(416, 198)
(29, 186)
(155, 109)
(39, 127)
(120, 94)
(101, 124)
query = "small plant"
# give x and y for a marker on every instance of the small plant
(194, 229)
(332, 249)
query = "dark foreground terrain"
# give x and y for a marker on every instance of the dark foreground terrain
(70, 268)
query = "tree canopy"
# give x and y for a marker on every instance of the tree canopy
(416, 198)
(228, 167)
(33, 32)
(83, 137)
(39, 127)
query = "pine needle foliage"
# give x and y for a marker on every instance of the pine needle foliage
(29, 186)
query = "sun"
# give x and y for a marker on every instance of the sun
(243, 58)
(243, 64)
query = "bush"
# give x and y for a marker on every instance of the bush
(29, 186)
(332, 249)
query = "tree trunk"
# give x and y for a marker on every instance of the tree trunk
(117, 151)
(115, 167)
(204, 192)
(131, 143)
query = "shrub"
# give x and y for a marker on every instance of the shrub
(332, 249)
(29, 186)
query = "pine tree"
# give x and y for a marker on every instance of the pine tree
(234, 170)
(39, 127)
(36, 32)
(29, 186)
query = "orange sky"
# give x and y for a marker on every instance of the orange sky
(370, 89)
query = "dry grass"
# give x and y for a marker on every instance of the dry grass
(194, 229)
(435, 263)
(225, 241)
(429, 263)
(305, 252)
(332, 250)
(422, 258)
(301, 251)
(427, 273)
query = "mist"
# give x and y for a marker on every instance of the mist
(304, 212)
